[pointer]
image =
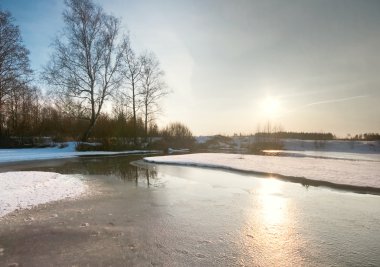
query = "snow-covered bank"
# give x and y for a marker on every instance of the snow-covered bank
(21, 190)
(326, 154)
(25, 154)
(336, 171)
(346, 146)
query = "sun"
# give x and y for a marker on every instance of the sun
(271, 106)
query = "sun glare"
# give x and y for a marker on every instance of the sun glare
(271, 106)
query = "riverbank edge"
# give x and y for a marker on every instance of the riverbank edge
(294, 179)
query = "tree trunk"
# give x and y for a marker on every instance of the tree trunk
(1, 118)
(134, 115)
(146, 122)
(88, 131)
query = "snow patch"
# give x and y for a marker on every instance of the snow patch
(24, 190)
(337, 171)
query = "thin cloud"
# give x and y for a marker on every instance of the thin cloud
(330, 101)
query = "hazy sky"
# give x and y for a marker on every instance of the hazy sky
(233, 65)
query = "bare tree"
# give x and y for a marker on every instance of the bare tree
(132, 75)
(14, 61)
(153, 88)
(85, 65)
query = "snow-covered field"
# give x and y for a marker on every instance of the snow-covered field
(20, 190)
(25, 154)
(337, 171)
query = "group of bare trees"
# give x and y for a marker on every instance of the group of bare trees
(144, 83)
(93, 62)
(17, 98)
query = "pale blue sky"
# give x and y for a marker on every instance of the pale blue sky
(232, 65)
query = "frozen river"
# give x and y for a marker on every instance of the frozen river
(147, 214)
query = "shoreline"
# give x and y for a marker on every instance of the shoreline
(10, 156)
(32, 163)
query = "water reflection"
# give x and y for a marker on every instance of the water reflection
(273, 205)
(271, 227)
(107, 167)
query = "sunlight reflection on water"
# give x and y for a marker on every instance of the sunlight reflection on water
(270, 231)
(273, 205)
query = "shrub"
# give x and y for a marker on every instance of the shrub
(177, 135)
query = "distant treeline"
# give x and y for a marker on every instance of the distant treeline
(315, 136)
(366, 136)
(296, 135)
